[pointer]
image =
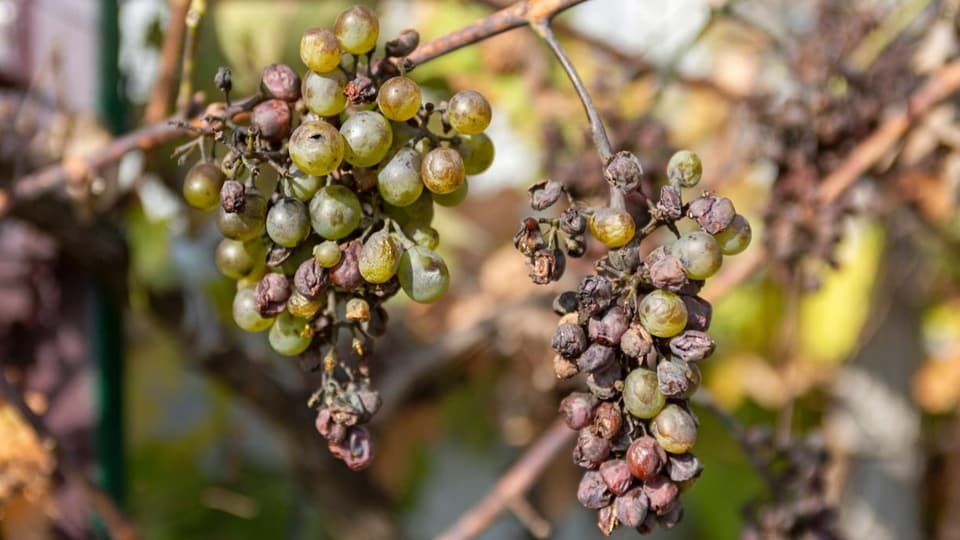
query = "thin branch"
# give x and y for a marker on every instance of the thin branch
(938, 87)
(118, 525)
(597, 131)
(198, 9)
(159, 100)
(513, 484)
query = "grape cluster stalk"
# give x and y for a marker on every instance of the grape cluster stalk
(638, 330)
(360, 161)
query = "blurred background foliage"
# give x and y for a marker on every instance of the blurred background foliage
(205, 459)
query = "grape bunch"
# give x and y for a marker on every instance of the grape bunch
(360, 161)
(637, 328)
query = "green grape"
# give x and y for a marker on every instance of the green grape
(399, 98)
(674, 429)
(327, 253)
(422, 234)
(442, 170)
(662, 313)
(289, 335)
(249, 222)
(245, 312)
(302, 186)
(685, 168)
(379, 257)
(453, 198)
(399, 181)
(736, 237)
(335, 212)
(320, 50)
(357, 29)
(302, 307)
(368, 136)
(699, 253)
(316, 147)
(288, 222)
(423, 275)
(468, 112)
(613, 227)
(641, 394)
(236, 259)
(477, 152)
(323, 93)
(201, 187)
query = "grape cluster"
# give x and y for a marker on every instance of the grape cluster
(637, 328)
(361, 160)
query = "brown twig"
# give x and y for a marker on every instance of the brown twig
(938, 87)
(159, 100)
(116, 522)
(513, 484)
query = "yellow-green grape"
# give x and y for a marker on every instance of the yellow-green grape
(399, 98)
(641, 394)
(316, 147)
(674, 429)
(468, 112)
(245, 312)
(249, 222)
(289, 335)
(201, 187)
(736, 237)
(423, 275)
(302, 307)
(323, 92)
(288, 222)
(379, 257)
(320, 50)
(613, 227)
(357, 29)
(399, 181)
(662, 313)
(453, 198)
(368, 136)
(477, 152)
(302, 186)
(442, 170)
(699, 253)
(327, 253)
(685, 168)
(335, 212)
(422, 234)
(236, 259)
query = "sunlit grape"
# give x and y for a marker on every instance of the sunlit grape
(368, 137)
(662, 313)
(613, 227)
(357, 29)
(320, 50)
(468, 112)
(289, 335)
(302, 307)
(399, 98)
(335, 212)
(674, 429)
(736, 237)
(699, 253)
(641, 394)
(316, 147)
(423, 275)
(399, 181)
(323, 92)
(379, 257)
(442, 170)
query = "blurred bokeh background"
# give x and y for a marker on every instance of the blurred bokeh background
(842, 320)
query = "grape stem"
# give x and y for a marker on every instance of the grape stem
(198, 9)
(597, 130)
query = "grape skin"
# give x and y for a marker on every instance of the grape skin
(245, 312)
(469, 112)
(323, 92)
(320, 50)
(335, 212)
(316, 147)
(662, 313)
(399, 98)
(424, 276)
(613, 227)
(368, 137)
(246, 224)
(289, 335)
(327, 253)
(685, 168)
(477, 152)
(236, 259)
(379, 257)
(641, 394)
(357, 29)
(442, 170)
(699, 253)
(399, 181)
(736, 237)
(288, 222)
